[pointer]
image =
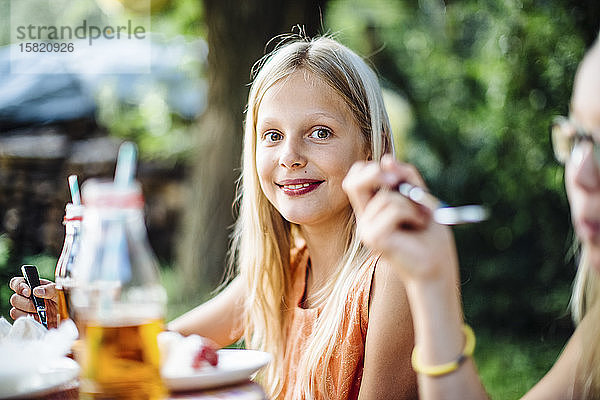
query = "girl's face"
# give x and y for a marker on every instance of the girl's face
(582, 174)
(306, 141)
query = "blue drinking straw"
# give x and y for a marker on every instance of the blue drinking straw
(126, 160)
(74, 187)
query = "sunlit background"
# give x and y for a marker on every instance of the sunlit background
(471, 87)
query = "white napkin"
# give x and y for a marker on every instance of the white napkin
(27, 349)
(25, 328)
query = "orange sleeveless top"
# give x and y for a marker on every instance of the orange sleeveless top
(344, 372)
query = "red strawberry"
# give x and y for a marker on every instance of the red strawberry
(211, 356)
(205, 353)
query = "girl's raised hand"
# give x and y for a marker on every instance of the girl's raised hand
(403, 231)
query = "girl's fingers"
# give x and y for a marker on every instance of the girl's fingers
(19, 286)
(46, 291)
(402, 171)
(363, 181)
(401, 212)
(388, 216)
(401, 230)
(16, 313)
(366, 178)
(359, 186)
(407, 241)
(22, 303)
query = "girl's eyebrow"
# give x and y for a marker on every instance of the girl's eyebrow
(266, 121)
(327, 115)
(310, 115)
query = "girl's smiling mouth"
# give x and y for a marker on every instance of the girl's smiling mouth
(297, 187)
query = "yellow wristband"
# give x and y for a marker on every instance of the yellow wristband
(443, 369)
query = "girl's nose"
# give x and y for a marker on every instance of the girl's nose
(586, 168)
(292, 155)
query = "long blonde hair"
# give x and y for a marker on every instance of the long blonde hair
(263, 239)
(585, 303)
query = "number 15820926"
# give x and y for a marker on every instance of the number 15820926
(46, 47)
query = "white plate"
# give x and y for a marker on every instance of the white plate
(40, 383)
(235, 365)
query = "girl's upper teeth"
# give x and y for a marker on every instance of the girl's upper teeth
(296, 186)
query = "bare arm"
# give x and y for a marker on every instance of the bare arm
(438, 333)
(387, 371)
(219, 319)
(423, 256)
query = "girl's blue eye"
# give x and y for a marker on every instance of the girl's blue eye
(321, 133)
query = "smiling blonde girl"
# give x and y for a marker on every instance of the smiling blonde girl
(335, 320)
(306, 290)
(314, 108)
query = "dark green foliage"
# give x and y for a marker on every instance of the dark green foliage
(509, 366)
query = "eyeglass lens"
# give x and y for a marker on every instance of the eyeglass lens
(569, 142)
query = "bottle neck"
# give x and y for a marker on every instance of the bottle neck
(72, 226)
(96, 217)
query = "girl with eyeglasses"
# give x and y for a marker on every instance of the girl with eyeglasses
(424, 257)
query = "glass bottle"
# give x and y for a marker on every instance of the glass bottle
(63, 274)
(118, 298)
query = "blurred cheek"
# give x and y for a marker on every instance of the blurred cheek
(573, 194)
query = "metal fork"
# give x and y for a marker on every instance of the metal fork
(442, 212)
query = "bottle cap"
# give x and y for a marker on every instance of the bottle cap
(73, 212)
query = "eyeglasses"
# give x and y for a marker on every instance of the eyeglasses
(568, 139)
